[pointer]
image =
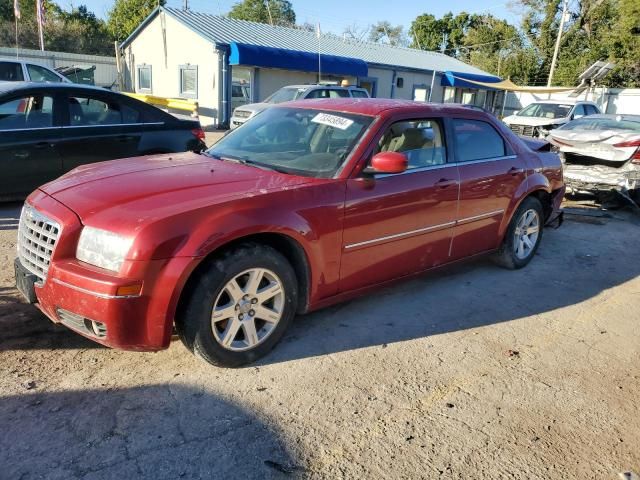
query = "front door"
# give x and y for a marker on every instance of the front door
(402, 223)
(490, 173)
(28, 138)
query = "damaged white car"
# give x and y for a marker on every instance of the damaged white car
(539, 118)
(601, 153)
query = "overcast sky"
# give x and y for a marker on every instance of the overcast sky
(335, 15)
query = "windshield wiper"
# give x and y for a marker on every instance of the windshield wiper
(246, 161)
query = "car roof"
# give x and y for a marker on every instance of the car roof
(10, 87)
(615, 116)
(566, 101)
(320, 85)
(375, 106)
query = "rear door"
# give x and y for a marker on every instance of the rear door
(29, 132)
(398, 224)
(490, 173)
(98, 127)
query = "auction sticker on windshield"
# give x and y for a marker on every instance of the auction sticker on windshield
(332, 120)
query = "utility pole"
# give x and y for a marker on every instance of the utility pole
(269, 12)
(565, 5)
(185, 5)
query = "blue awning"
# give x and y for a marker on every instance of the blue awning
(457, 79)
(269, 57)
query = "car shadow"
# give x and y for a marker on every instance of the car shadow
(574, 263)
(154, 431)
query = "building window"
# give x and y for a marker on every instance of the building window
(189, 81)
(449, 95)
(400, 82)
(144, 78)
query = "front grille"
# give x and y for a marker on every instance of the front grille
(242, 114)
(526, 130)
(82, 324)
(37, 237)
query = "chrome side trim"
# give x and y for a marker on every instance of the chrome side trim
(479, 217)
(444, 165)
(400, 235)
(113, 125)
(90, 292)
(462, 221)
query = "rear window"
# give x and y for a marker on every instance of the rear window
(86, 111)
(590, 123)
(476, 140)
(11, 72)
(359, 94)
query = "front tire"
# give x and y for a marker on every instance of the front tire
(240, 306)
(523, 235)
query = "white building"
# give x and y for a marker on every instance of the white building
(183, 54)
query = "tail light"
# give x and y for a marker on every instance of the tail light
(635, 158)
(198, 133)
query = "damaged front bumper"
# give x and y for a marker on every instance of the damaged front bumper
(601, 178)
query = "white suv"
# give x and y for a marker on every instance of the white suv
(295, 92)
(22, 71)
(537, 118)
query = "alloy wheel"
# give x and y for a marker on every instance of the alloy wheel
(247, 309)
(526, 234)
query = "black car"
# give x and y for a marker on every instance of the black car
(47, 129)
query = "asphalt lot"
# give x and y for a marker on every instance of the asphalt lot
(469, 372)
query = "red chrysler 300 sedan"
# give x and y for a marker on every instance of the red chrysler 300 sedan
(307, 204)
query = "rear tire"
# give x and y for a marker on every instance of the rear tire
(239, 307)
(523, 235)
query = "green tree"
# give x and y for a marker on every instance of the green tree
(446, 33)
(274, 12)
(75, 31)
(384, 32)
(126, 15)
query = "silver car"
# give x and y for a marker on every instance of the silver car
(26, 71)
(295, 92)
(539, 118)
(601, 153)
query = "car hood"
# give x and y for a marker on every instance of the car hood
(532, 121)
(595, 143)
(141, 189)
(254, 107)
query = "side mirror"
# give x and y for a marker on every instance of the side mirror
(388, 162)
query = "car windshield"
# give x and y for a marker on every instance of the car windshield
(591, 123)
(546, 110)
(307, 142)
(285, 95)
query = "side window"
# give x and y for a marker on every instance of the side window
(359, 94)
(34, 111)
(87, 111)
(579, 111)
(318, 93)
(338, 94)
(189, 81)
(421, 141)
(476, 140)
(144, 78)
(11, 72)
(41, 74)
(591, 110)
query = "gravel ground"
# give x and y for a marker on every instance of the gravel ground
(470, 372)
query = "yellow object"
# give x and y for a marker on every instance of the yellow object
(169, 103)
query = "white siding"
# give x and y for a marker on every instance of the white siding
(105, 73)
(183, 46)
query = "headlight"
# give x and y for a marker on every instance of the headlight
(102, 248)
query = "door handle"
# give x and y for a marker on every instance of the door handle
(125, 138)
(446, 182)
(516, 171)
(42, 145)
